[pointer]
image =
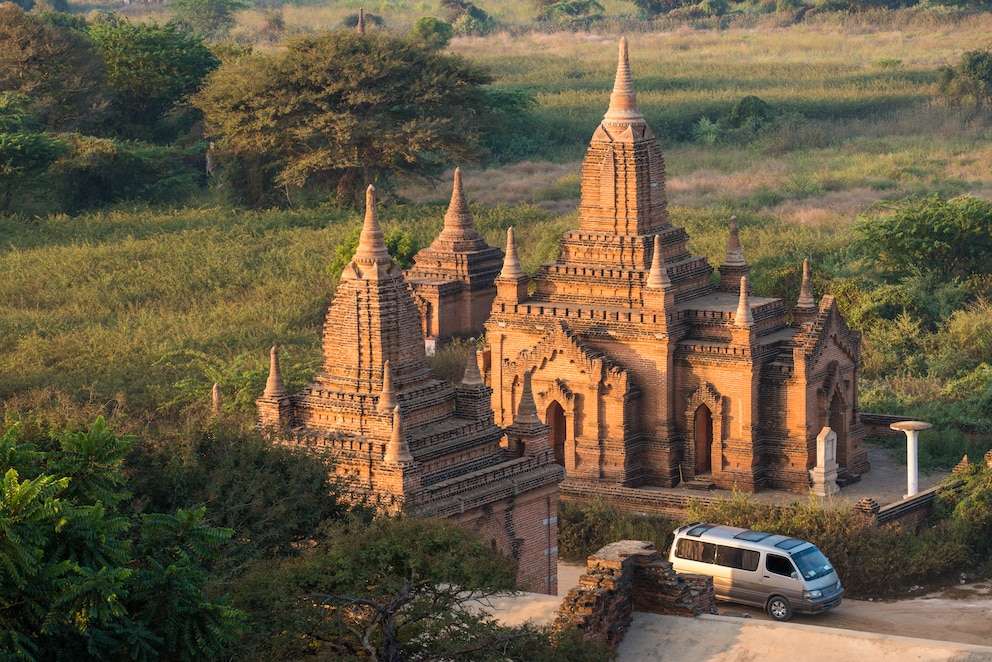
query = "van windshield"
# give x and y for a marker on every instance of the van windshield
(812, 563)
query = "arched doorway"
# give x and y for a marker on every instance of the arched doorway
(703, 436)
(838, 423)
(555, 416)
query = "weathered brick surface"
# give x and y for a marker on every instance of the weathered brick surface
(628, 576)
(405, 440)
(649, 381)
(452, 279)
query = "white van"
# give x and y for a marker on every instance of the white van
(780, 574)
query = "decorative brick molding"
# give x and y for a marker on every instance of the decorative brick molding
(670, 376)
(404, 440)
(628, 576)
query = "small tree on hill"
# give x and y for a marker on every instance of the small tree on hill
(210, 18)
(970, 81)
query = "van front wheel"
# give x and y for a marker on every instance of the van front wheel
(778, 608)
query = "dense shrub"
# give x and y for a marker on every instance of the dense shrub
(970, 81)
(97, 172)
(870, 560)
(585, 528)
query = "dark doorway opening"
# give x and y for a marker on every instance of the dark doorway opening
(556, 419)
(704, 440)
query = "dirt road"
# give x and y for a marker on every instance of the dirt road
(962, 614)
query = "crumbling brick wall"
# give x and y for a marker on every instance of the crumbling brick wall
(626, 576)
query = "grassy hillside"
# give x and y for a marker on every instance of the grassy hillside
(149, 306)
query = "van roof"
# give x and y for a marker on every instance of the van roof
(772, 542)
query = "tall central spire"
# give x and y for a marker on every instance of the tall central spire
(623, 99)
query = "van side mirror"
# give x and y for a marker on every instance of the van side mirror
(794, 575)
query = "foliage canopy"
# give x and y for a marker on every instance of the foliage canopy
(339, 111)
(152, 68)
(81, 580)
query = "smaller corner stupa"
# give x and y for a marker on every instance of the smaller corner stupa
(452, 279)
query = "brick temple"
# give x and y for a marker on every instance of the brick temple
(453, 280)
(405, 440)
(649, 371)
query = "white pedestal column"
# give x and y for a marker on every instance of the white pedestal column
(912, 430)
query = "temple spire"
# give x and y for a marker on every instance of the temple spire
(387, 401)
(472, 376)
(735, 254)
(623, 99)
(397, 448)
(360, 28)
(658, 278)
(459, 217)
(371, 244)
(744, 316)
(274, 387)
(511, 263)
(806, 300)
(527, 411)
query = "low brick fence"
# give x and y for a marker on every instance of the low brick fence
(630, 499)
(628, 576)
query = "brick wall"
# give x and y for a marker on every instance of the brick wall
(626, 576)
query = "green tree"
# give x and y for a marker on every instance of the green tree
(273, 498)
(56, 66)
(210, 18)
(97, 171)
(25, 153)
(970, 81)
(572, 14)
(339, 112)
(153, 69)
(81, 580)
(434, 33)
(397, 589)
(946, 238)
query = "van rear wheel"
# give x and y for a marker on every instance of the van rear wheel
(778, 608)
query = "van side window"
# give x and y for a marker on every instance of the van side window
(779, 565)
(733, 557)
(695, 550)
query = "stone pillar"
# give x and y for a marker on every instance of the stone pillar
(912, 430)
(824, 474)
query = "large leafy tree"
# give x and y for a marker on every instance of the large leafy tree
(55, 65)
(81, 580)
(339, 111)
(153, 69)
(397, 590)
